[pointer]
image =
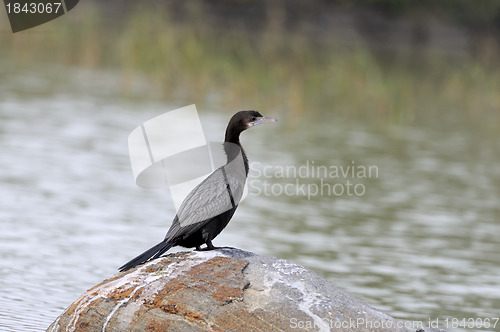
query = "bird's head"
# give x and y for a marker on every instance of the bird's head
(242, 121)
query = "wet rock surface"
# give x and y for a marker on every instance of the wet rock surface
(221, 290)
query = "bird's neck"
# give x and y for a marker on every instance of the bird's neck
(232, 137)
(245, 160)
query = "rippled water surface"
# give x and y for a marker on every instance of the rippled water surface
(418, 239)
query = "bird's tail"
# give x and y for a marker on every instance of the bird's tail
(153, 252)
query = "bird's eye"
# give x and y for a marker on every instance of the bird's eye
(253, 118)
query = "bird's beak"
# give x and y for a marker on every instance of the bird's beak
(263, 119)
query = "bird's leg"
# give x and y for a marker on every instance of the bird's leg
(210, 246)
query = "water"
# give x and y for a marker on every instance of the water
(420, 242)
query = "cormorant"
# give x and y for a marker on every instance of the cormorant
(208, 208)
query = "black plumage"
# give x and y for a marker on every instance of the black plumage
(209, 207)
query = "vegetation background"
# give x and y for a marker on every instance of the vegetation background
(385, 61)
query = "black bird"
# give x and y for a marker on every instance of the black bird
(209, 207)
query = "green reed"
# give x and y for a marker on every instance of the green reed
(188, 60)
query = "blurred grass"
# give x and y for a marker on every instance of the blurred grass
(266, 68)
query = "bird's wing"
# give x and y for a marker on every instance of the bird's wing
(219, 192)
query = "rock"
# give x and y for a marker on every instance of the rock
(221, 290)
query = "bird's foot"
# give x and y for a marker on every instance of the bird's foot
(205, 249)
(210, 246)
